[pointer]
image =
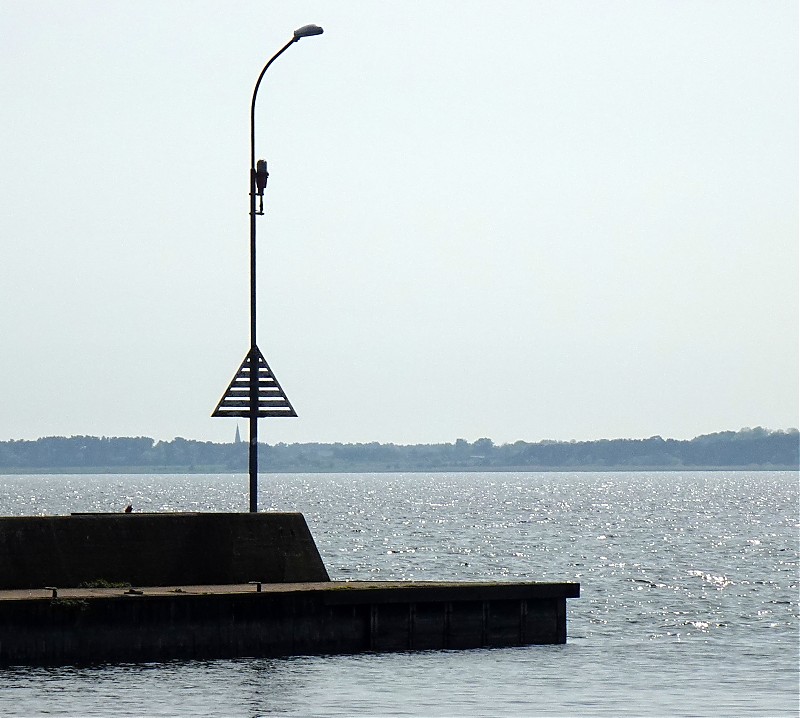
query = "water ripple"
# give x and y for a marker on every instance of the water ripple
(688, 579)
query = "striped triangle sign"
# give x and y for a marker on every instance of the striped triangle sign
(272, 401)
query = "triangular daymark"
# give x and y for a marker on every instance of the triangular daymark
(271, 399)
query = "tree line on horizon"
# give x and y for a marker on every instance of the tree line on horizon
(748, 448)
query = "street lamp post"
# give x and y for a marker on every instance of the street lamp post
(254, 391)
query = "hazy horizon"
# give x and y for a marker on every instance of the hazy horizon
(243, 436)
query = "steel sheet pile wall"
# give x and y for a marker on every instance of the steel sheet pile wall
(323, 618)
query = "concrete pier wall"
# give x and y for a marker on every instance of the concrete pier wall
(321, 618)
(192, 595)
(157, 549)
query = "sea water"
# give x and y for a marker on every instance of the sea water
(689, 595)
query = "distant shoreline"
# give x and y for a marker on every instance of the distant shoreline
(745, 450)
(266, 470)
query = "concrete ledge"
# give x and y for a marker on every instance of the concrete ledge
(156, 549)
(200, 622)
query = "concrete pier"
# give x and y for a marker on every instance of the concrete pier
(152, 549)
(94, 588)
(203, 622)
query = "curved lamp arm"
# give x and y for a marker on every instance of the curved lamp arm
(305, 31)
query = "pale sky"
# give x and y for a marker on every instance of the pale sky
(508, 219)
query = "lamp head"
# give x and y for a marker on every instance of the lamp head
(307, 31)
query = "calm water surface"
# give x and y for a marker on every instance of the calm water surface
(689, 595)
